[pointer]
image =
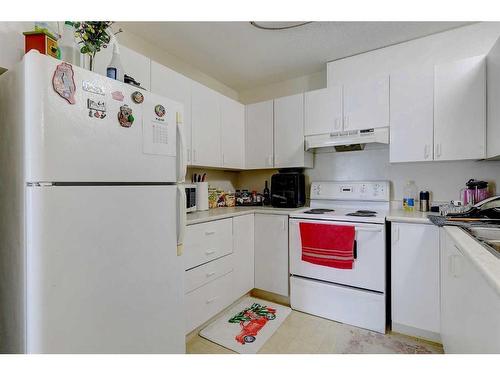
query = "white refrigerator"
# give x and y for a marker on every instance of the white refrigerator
(92, 218)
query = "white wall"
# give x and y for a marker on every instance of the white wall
(442, 179)
(12, 43)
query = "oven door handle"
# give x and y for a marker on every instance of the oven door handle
(365, 229)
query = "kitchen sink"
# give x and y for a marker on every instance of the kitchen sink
(485, 233)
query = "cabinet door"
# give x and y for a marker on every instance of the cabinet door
(259, 135)
(233, 133)
(469, 305)
(134, 64)
(170, 84)
(243, 254)
(366, 104)
(289, 132)
(323, 111)
(412, 114)
(271, 253)
(493, 95)
(206, 131)
(415, 280)
(460, 109)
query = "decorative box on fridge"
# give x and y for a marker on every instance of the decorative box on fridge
(42, 41)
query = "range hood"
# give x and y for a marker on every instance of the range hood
(349, 140)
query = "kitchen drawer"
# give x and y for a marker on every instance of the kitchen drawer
(207, 241)
(205, 302)
(199, 276)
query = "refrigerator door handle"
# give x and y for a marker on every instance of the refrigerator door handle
(181, 218)
(181, 151)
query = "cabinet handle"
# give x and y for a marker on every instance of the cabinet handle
(210, 274)
(395, 234)
(189, 155)
(210, 252)
(194, 155)
(284, 224)
(426, 152)
(337, 122)
(209, 233)
(346, 122)
(270, 161)
(223, 159)
(208, 301)
(363, 229)
(438, 150)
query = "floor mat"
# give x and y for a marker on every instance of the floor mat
(246, 326)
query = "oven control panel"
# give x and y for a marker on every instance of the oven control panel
(351, 190)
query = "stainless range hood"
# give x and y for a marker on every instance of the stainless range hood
(349, 140)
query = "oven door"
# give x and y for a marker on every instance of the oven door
(368, 271)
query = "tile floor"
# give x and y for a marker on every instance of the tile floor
(306, 334)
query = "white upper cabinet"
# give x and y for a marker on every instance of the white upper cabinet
(460, 109)
(493, 116)
(289, 133)
(412, 114)
(170, 84)
(366, 104)
(205, 117)
(259, 135)
(233, 133)
(323, 111)
(134, 64)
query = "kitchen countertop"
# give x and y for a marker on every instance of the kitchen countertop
(487, 263)
(396, 215)
(401, 216)
(227, 212)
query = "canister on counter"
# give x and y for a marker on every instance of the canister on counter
(424, 201)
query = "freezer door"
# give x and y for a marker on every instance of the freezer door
(103, 275)
(75, 143)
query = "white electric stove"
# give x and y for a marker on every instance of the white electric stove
(354, 296)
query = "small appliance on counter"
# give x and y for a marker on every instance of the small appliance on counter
(190, 197)
(474, 192)
(288, 189)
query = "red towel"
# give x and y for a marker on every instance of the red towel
(328, 245)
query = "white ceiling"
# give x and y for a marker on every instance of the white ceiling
(243, 57)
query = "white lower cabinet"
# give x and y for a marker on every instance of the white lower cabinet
(271, 253)
(205, 302)
(470, 307)
(415, 280)
(243, 256)
(214, 281)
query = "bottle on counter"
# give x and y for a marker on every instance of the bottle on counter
(410, 196)
(267, 195)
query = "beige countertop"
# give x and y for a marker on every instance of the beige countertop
(227, 212)
(401, 216)
(396, 215)
(487, 263)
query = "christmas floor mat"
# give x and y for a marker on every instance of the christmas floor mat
(245, 327)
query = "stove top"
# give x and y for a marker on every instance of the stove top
(313, 211)
(363, 213)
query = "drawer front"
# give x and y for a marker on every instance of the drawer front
(207, 241)
(205, 302)
(206, 273)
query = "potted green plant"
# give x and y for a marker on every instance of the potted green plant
(92, 36)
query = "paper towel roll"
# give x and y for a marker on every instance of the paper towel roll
(202, 196)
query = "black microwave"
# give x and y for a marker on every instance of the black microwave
(288, 189)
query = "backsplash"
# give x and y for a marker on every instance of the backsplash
(443, 179)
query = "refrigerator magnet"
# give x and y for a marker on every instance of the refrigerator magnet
(117, 95)
(137, 97)
(125, 117)
(160, 110)
(63, 82)
(93, 88)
